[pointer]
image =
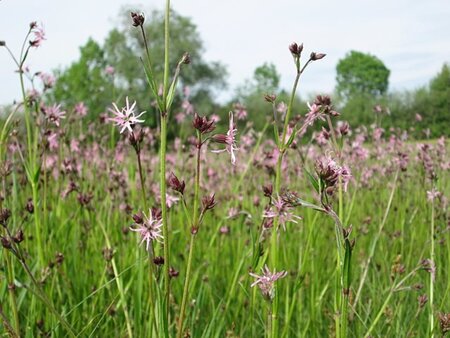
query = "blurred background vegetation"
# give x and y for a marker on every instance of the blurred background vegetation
(361, 92)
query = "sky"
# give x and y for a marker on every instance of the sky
(411, 37)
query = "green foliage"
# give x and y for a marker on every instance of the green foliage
(265, 80)
(360, 73)
(85, 80)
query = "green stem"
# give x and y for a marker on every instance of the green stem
(196, 222)
(186, 287)
(162, 174)
(432, 274)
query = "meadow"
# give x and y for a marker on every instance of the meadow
(203, 226)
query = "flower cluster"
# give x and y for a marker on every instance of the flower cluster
(329, 172)
(283, 210)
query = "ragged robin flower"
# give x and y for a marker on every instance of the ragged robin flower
(266, 281)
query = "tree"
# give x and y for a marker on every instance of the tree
(123, 49)
(361, 74)
(85, 80)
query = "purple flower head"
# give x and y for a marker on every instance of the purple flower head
(150, 228)
(329, 172)
(266, 281)
(229, 140)
(125, 117)
(283, 210)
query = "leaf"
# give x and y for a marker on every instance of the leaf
(276, 135)
(314, 182)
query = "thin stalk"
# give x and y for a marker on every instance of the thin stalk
(12, 295)
(196, 222)
(162, 174)
(432, 274)
(375, 241)
(119, 283)
(141, 177)
(186, 287)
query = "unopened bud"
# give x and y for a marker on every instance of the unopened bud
(33, 24)
(30, 206)
(296, 49)
(138, 19)
(173, 273)
(316, 56)
(175, 183)
(2, 43)
(194, 230)
(270, 98)
(268, 190)
(158, 260)
(18, 237)
(138, 218)
(5, 242)
(4, 216)
(186, 59)
(208, 202)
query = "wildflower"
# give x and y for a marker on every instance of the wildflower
(176, 184)
(54, 114)
(329, 172)
(281, 209)
(316, 56)
(208, 202)
(241, 111)
(150, 228)
(48, 80)
(296, 49)
(433, 194)
(138, 19)
(81, 109)
(202, 124)
(444, 321)
(39, 35)
(229, 140)
(109, 70)
(266, 281)
(125, 118)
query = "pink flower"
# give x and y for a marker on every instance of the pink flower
(282, 210)
(150, 229)
(109, 70)
(54, 114)
(266, 281)
(241, 111)
(125, 118)
(81, 109)
(53, 141)
(48, 80)
(433, 194)
(229, 140)
(39, 35)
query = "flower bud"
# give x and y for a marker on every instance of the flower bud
(30, 206)
(138, 218)
(138, 19)
(296, 49)
(158, 260)
(268, 190)
(202, 124)
(270, 98)
(2, 43)
(316, 56)
(208, 202)
(186, 59)
(4, 216)
(5, 242)
(18, 237)
(175, 183)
